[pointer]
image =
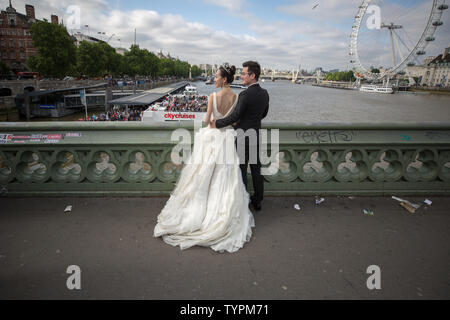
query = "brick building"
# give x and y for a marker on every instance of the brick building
(16, 44)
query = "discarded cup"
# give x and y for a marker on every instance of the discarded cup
(319, 201)
(296, 206)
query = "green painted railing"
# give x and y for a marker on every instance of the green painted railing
(113, 158)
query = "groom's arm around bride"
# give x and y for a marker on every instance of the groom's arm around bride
(251, 108)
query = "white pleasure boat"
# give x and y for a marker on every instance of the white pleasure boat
(376, 89)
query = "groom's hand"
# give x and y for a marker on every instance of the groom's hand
(213, 124)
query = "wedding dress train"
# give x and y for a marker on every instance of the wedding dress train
(209, 205)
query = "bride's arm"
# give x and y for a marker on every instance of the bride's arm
(209, 111)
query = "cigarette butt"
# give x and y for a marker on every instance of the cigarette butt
(407, 207)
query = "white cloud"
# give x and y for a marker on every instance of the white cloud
(374, 46)
(330, 10)
(314, 41)
(232, 5)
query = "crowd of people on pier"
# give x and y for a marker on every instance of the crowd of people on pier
(185, 103)
(174, 103)
(117, 115)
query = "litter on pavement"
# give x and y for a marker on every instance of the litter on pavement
(411, 207)
(319, 201)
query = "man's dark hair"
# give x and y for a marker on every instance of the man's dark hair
(253, 67)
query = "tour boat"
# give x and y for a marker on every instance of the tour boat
(190, 90)
(376, 89)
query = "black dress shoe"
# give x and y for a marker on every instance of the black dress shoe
(256, 205)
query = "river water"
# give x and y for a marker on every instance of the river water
(305, 103)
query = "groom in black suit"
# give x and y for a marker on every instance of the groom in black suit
(251, 108)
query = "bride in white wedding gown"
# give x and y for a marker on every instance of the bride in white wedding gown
(209, 205)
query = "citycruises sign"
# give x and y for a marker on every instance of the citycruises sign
(176, 116)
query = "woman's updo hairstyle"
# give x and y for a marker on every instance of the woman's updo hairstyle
(227, 72)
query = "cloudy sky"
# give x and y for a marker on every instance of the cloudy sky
(279, 34)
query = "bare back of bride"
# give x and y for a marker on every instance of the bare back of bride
(209, 205)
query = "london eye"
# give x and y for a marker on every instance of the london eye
(392, 34)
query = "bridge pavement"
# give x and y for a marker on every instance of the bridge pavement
(318, 252)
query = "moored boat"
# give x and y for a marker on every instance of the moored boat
(376, 89)
(190, 90)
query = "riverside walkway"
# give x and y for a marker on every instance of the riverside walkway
(321, 251)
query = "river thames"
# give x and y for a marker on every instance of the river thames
(304, 103)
